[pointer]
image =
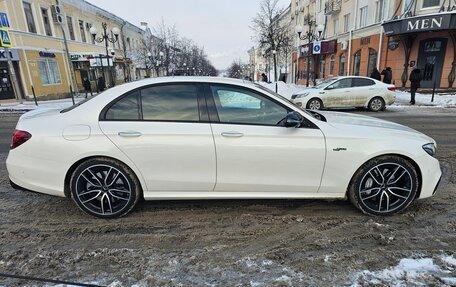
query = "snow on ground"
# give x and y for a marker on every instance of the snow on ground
(411, 272)
(29, 106)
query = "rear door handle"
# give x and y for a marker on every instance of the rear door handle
(130, 134)
(232, 134)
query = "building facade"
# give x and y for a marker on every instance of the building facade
(39, 54)
(363, 34)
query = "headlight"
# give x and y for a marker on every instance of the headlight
(430, 149)
(301, 95)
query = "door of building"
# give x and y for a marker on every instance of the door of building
(6, 87)
(430, 61)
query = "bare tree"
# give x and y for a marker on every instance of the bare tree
(270, 35)
(235, 69)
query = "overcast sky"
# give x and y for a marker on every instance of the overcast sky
(222, 27)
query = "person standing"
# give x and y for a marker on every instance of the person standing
(87, 87)
(101, 84)
(376, 74)
(387, 75)
(415, 82)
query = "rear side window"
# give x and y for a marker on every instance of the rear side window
(127, 108)
(359, 82)
(170, 103)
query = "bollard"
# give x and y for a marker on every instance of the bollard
(433, 93)
(72, 94)
(277, 87)
(34, 96)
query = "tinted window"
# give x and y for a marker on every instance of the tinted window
(126, 108)
(342, 84)
(170, 103)
(245, 107)
(362, 82)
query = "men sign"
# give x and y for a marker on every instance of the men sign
(5, 38)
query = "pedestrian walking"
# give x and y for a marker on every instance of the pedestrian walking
(415, 83)
(87, 87)
(376, 74)
(101, 84)
(264, 78)
(387, 75)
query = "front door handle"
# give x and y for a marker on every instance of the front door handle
(130, 134)
(232, 134)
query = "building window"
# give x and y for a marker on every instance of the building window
(357, 63)
(380, 10)
(336, 27)
(331, 65)
(372, 61)
(342, 65)
(49, 72)
(46, 22)
(322, 66)
(29, 17)
(363, 17)
(70, 28)
(430, 3)
(82, 31)
(346, 23)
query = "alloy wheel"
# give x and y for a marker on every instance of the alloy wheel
(103, 190)
(314, 104)
(386, 187)
(376, 104)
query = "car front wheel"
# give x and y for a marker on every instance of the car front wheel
(104, 188)
(384, 186)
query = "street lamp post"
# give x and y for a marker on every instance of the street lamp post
(105, 37)
(309, 35)
(274, 53)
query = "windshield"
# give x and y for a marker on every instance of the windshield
(280, 96)
(77, 104)
(325, 83)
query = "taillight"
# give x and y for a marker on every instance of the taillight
(19, 137)
(392, 89)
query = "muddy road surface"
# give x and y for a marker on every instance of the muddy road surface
(234, 242)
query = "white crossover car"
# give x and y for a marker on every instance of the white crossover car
(213, 138)
(343, 92)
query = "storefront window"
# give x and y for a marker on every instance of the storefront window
(322, 66)
(49, 72)
(372, 61)
(331, 65)
(357, 63)
(342, 65)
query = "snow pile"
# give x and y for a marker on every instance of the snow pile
(285, 90)
(440, 100)
(410, 272)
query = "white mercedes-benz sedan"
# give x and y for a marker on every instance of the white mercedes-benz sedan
(346, 92)
(214, 138)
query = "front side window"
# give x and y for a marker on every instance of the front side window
(170, 103)
(70, 28)
(342, 84)
(49, 72)
(125, 109)
(29, 17)
(238, 106)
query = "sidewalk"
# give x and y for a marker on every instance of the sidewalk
(30, 105)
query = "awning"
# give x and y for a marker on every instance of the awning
(420, 24)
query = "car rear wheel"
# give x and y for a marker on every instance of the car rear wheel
(384, 186)
(314, 104)
(376, 104)
(104, 188)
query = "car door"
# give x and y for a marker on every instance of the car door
(338, 93)
(254, 152)
(362, 90)
(164, 130)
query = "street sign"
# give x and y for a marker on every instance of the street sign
(4, 22)
(316, 48)
(5, 38)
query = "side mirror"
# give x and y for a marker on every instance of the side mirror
(330, 87)
(292, 120)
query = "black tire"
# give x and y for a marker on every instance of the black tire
(398, 189)
(376, 104)
(314, 104)
(105, 188)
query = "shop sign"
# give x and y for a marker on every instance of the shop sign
(14, 55)
(100, 62)
(451, 6)
(430, 23)
(47, 55)
(326, 47)
(365, 40)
